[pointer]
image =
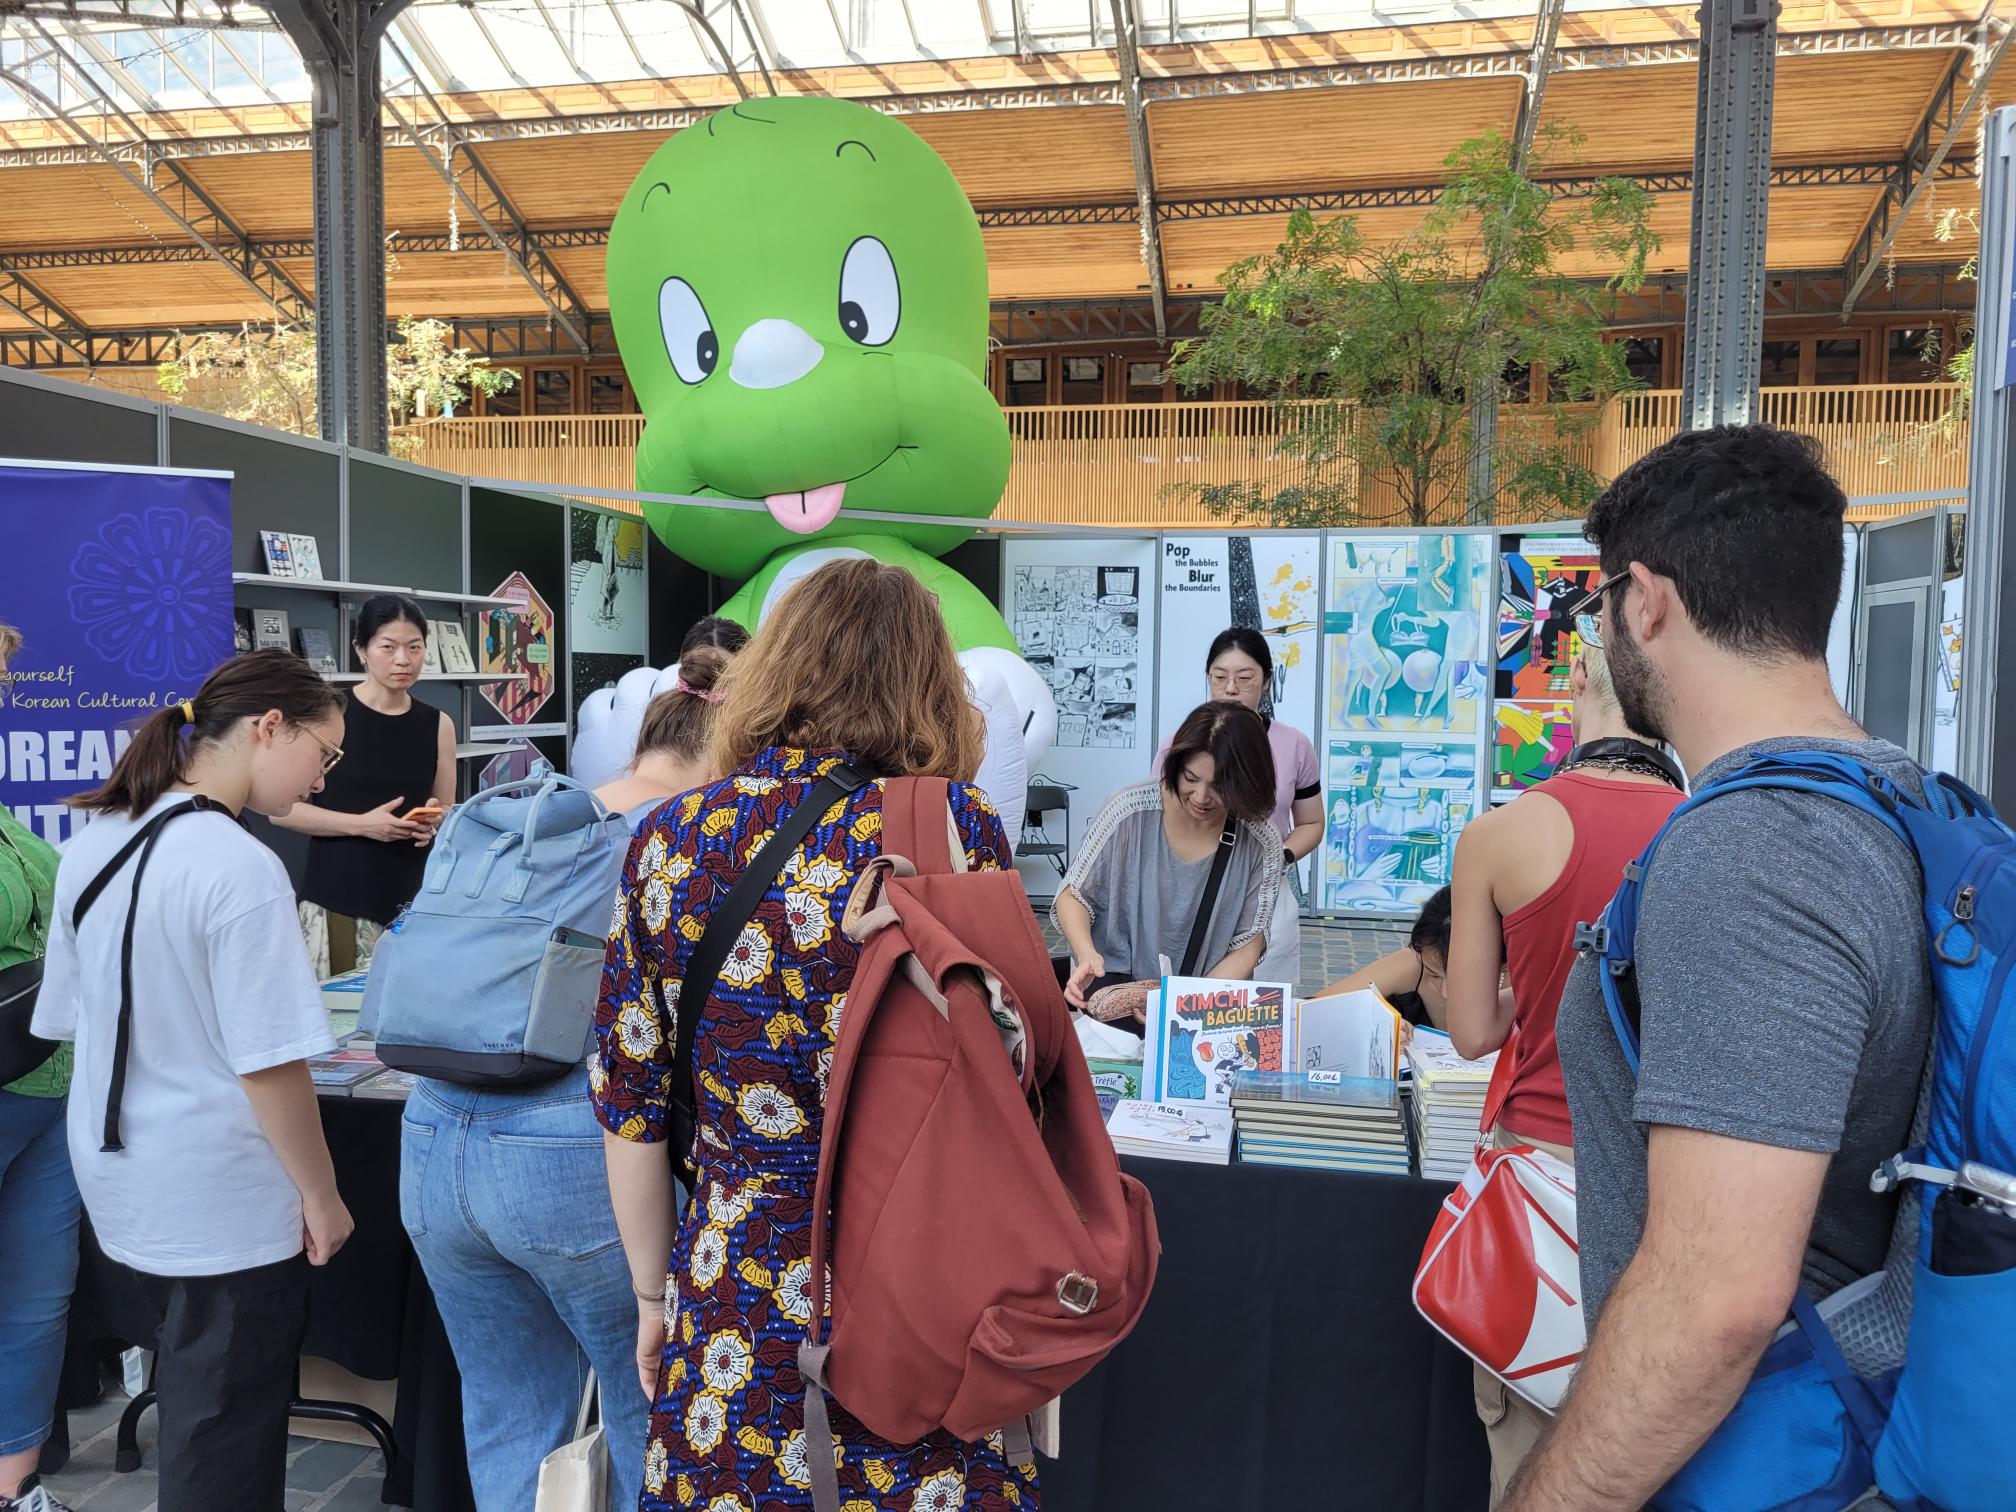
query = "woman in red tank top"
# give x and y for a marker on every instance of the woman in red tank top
(1525, 875)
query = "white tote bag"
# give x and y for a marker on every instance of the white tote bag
(575, 1477)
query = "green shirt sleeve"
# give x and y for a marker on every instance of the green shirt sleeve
(27, 897)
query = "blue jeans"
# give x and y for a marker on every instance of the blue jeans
(38, 1264)
(507, 1199)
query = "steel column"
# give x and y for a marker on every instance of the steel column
(338, 41)
(1725, 245)
(1987, 733)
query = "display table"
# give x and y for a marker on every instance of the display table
(1279, 1363)
(369, 1310)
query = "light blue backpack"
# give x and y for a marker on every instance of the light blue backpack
(490, 975)
(1905, 1379)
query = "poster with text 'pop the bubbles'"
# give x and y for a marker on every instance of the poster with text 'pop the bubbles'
(1267, 583)
(1084, 614)
(119, 580)
(1406, 629)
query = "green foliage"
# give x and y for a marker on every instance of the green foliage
(266, 375)
(1369, 349)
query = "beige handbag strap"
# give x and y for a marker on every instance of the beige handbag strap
(591, 1407)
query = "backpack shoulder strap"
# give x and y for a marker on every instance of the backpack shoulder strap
(1612, 940)
(917, 824)
(703, 968)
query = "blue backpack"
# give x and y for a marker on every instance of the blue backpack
(1926, 1411)
(489, 977)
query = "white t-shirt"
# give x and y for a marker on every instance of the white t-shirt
(221, 988)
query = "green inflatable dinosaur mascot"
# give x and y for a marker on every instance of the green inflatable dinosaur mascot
(799, 289)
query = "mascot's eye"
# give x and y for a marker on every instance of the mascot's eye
(689, 337)
(870, 302)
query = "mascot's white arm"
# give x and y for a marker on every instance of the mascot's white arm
(1021, 721)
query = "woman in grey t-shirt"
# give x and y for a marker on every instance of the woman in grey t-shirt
(1132, 897)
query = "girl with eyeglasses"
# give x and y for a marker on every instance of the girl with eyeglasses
(1240, 667)
(176, 967)
(370, 827)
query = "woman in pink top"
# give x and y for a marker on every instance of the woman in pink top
(1241, 667)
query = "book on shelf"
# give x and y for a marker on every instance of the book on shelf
(1172, 1131)
(1322, 1119)
(279, 547)
(1448, 1093)
(307, 557)
(241, 631)
(1202, 1032)
(455, 654)
(1354, 1033)
(269, 630)
(317, 650)
(343, 1069)
(430, 663)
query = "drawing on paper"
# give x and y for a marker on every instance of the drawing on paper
(1533, 739)
(605, 583)
(1080, 628)
(1395, 810)
(1405, 622)
(1539, 594)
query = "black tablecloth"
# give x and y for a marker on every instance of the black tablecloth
(369, 1310)
(1280, 1363)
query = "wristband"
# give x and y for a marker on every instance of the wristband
(647, 1296)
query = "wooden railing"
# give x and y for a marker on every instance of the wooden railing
(1116, 464)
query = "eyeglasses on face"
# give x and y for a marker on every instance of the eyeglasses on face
(331, 754)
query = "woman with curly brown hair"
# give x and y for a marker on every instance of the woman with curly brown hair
(853, 667)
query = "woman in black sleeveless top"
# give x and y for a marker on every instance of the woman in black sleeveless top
(365, 861)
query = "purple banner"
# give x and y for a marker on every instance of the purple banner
(120, 584)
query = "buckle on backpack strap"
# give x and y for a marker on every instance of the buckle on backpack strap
(1077, 1294)
(1900, 1168)
(1592, 939)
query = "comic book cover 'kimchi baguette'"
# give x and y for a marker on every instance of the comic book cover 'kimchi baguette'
(1209, 1030)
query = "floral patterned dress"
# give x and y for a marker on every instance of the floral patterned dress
(727, 1424)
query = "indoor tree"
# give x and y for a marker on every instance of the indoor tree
(1374, 350)
(266, 375)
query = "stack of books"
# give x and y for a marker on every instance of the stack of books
(1320, 1119)
(1448, 1103)
(340, 1073)
(1172, 1131)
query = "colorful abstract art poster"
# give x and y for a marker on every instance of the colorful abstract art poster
(1540, 591)
(1406, 631)
(1532, 740)
(517, 642)
(1394, 810)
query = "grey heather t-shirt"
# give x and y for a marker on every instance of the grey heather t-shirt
(1785, 1001)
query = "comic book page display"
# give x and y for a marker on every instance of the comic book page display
(1394, 812)
(1083, 613)
(1267, 583)
(1540, 591)
(1405, 625)
(1406, 629)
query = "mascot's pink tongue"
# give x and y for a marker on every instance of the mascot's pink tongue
(808, 511)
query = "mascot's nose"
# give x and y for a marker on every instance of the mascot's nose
(773, 353)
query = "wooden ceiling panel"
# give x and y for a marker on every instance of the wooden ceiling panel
(1848, 109)
(1064, 262)
(267, 193)
(176, 294)
(570, 181)
(1631, 119)
(1383, 134)
(458, 283)
(82, 206)
(586, 273)
(1035, 157)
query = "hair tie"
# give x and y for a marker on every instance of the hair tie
(188, 712)
(705, 695)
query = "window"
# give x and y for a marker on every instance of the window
(553, 391)
(609, 394)
(1028, 380)
(1516, 383)
(1146, 382)
(1780, 368)
(1837, 360)
(1084, 380)
(1912, 355)
(1645, 360)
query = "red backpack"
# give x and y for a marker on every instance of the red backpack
(986, 1250)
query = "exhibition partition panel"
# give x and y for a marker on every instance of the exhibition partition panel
(47, 419)
(518, 551)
